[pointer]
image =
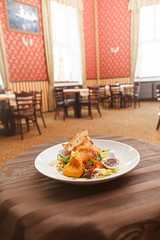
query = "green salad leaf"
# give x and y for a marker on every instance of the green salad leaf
(64, 159)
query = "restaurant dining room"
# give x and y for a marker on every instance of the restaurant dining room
(79, 119)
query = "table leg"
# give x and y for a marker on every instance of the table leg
(77, 108)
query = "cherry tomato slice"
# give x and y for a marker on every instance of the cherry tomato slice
(98, 164)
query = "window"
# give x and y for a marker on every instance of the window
(148, 62)
(66, 43)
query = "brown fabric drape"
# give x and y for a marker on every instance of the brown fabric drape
(3, 61)
(47, 29)
(36, 207)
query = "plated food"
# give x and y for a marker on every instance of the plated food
(52, 160)
(83, 159)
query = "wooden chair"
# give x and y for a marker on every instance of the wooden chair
(132, 95)
(103, 96)
(117, 97)
(62, 103)
(92, 101)
(136, 94)
(25, 110)
(158, 99)
(38, 105)
(128, 96)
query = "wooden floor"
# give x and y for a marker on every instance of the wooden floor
(138, 123)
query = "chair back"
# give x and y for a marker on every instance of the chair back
(94, 95)
(128, 91)
(102, 91)
(59, 95)
(25, 103)
(158, 92)
(115, 90)
(136, 89)
(38, 99)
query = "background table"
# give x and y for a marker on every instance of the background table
(8, 97)
(34, 207)
(78, 92)
(122, 86)
(7, 102)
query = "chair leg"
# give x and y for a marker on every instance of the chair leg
(158, 124)
(99, 111)
(21, 130)
(135, 101)
(90, 111)
(27, 122)
(64, 114)
(43, 119)
(35, 119)
(91, 114)
(55, 116)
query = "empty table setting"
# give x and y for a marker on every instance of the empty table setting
(38, 202)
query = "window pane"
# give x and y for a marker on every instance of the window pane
(150, 59)
(59, 27)
(157, 17)
(66, 42)
(61, 64)
(146, 23)
(74, 41)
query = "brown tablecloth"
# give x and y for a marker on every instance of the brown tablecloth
(35, 207)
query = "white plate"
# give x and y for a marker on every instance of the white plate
(128, 155)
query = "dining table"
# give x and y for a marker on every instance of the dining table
(8, 98)
(7, 104)
(78, 93)
(122, 86)
(36, 207)
(120, 99)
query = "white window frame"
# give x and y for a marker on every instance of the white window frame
(139, 62)
(70, 49)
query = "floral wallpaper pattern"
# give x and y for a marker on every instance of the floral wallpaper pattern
(114, 31)
(28, 63)
(25, 63)
(89, 38)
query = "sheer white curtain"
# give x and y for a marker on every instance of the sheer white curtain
(4, 73)
(66, 43)
(134, 6)
(148, 63)
(1, 82)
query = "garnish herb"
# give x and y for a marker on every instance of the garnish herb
(64, 159)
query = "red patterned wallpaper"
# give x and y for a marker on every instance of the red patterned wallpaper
(89, 38)
(28, 63)
(25, 63)
(114, 30)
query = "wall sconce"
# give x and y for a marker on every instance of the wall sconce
(115, 50)
(28, 42)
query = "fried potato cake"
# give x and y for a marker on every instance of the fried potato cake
(74, 168)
